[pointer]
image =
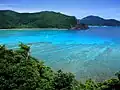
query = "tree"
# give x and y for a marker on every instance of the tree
(20, 71)
(17, 73)
(118, 75)
(63, 81)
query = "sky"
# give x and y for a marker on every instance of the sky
(109, 9)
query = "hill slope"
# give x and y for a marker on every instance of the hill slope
(46, 19)
(98, 21)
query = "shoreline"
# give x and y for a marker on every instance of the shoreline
(34, 29)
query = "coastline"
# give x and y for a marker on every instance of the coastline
(34, 29)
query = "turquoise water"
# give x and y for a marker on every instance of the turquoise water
(93, 53)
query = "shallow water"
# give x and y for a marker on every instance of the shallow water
(93, 53)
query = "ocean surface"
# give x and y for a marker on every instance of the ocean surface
(92, 53)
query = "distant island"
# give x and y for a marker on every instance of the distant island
(45, 19)
(49, 19)
(98, 21)
(39, 20)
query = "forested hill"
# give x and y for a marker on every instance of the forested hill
(98, 21)
(45, 19)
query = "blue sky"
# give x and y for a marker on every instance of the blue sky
(79, 8)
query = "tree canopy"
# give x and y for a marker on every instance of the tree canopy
(98, 21)
(45, 19)
(20, 71)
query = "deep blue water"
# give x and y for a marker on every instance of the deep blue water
(93, 53)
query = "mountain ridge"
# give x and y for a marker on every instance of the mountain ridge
(44, 19)
(98, 21)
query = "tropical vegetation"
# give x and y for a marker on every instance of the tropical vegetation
(20, 71)
(45, 19)
(98, 21)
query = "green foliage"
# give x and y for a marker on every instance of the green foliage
(90, 85)
(98, 21)
(63, 81)
(20, 71)
(118, 75)
(112, 84)
(11, 19)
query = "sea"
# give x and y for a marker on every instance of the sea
(92, 53)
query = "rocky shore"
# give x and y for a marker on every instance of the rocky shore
(80, 27)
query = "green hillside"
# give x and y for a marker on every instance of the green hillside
(98, 21)
(45, 19)
(20, 71)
